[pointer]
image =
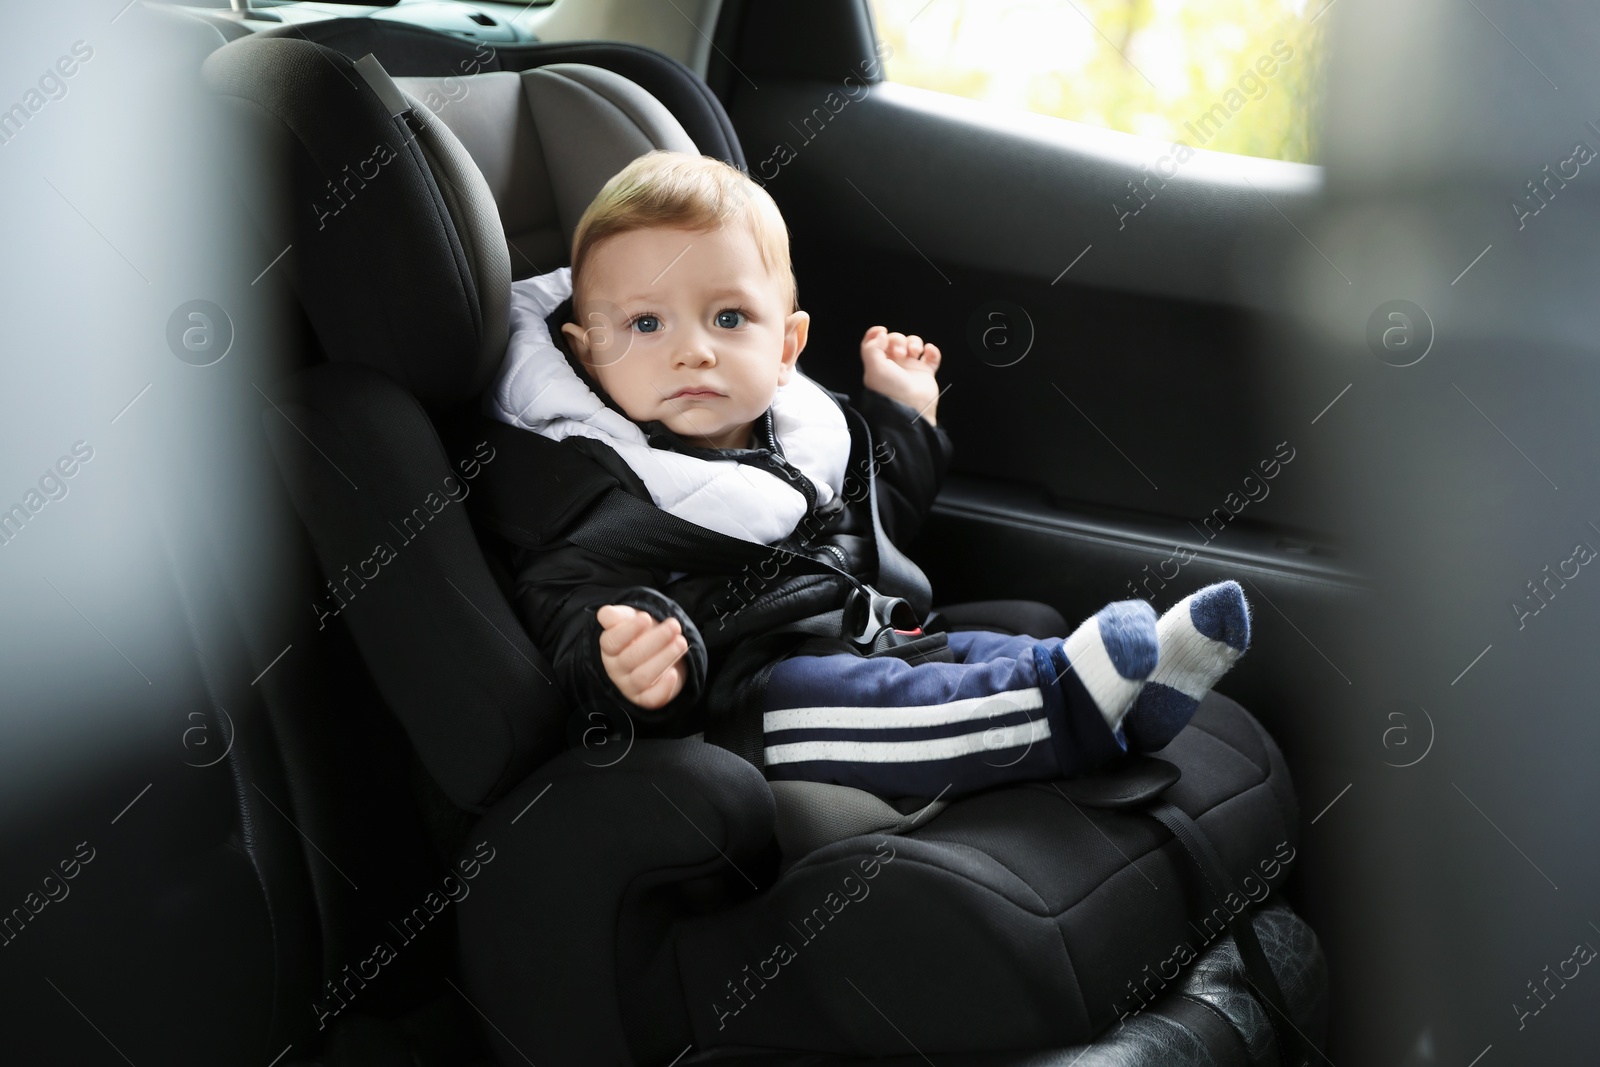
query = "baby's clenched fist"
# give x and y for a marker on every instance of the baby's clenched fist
(642, 657)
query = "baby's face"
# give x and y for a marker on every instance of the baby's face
(687, 328)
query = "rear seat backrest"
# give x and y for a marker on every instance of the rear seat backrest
(498, 117)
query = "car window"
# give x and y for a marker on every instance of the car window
(1239, 76)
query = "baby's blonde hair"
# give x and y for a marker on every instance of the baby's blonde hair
(676, 189)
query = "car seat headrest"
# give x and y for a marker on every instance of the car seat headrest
(546, 140)
(407, 198)
(605, 122)
(392, 237)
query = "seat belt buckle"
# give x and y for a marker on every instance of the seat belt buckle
(869, 615)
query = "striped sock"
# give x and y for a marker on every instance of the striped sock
(1201, 637)
(1112, 654)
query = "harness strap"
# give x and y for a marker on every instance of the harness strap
(623, 527)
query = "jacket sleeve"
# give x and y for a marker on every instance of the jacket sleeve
(557, 593)
(912, 458)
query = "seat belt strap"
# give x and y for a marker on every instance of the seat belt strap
(1293, 1050)
(896, 573)
(378, 79)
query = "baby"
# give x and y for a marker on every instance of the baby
(681, 380)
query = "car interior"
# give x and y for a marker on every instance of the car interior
(287, 782)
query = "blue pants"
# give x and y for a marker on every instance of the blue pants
(1009, 709)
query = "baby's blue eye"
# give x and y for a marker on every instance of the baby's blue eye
(730, 319)
(647, 324)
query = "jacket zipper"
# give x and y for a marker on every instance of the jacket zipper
(774, 462)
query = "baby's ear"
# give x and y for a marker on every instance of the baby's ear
(578, 338)
(795, 330)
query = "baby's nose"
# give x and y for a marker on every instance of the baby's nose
(696, 354)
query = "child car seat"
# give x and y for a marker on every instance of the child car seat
(636, 905)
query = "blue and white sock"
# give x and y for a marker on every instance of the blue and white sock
(1201, 638)
(1112, 654)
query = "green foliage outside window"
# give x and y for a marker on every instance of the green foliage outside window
(1211, 73)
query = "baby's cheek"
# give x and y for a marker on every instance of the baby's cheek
(625, 388)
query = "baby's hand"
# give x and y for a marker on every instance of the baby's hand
(901, 368)
(642, 657)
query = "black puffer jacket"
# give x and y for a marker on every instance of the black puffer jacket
(729, 622)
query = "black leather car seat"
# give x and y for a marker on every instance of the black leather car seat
(641, 886)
